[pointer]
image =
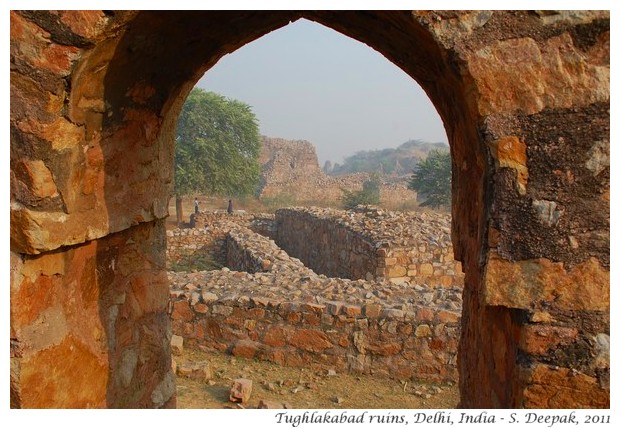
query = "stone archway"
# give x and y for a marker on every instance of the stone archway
(525, 100)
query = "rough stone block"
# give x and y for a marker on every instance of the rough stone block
(424, 314)
(182, 311)
(397, 271)
(241, 390)
(423, 331)
(539, 339)
(584, 286)
(372, 310)
(449, 317)
(246, 349)
(310, 340)
(201, 308)
(176, 345)
(208, 297)
(426, 269)
(223, 310)
(386, 349)
(199, 371)
(351, 310)
(265, 404)
(334, 308)
(557, 387)
(276, 336)
(393, 313)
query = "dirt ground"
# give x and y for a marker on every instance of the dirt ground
(301, 388)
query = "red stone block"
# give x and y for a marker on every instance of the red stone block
(276, 336)
(201, 308)
(245, 349)
(424, 314)
(312, 319)
(182, 311)
(293, 317)
(539, 339)
(386, 349)
(310, 340)
(255, 313)
(444, 316)
(352, 310)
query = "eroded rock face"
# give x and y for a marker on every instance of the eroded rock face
(94, 98)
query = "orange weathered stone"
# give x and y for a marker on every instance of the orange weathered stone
(539, 339)
(444, 316)
(511, 152)
(528, 284)
(182, 311)
(385, 349)
(68, 387)
(529, 71)
(311, 340)
(276, 336)
(553, 387)
(245, 349)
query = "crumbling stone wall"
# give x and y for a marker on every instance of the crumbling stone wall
(278, 310)
(290, 170)
(370, 243)
(524, 96)
(209, 235)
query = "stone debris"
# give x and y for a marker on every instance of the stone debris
(264, 404)
(241, 390)
(176, 345)
(200, 371)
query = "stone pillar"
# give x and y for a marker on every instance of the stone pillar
(536, 320)
(89, 291)
(89, 326)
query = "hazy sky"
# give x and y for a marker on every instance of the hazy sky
(308, 82)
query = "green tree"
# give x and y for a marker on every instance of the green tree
(432, 179)
(369, 194)
(217, 147)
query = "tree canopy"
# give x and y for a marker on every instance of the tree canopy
(217, 146)
(432, 179)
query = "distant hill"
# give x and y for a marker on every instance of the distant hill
(390, 162)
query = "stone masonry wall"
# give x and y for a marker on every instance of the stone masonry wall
(285, 313)
(209, 235)
(371, 243)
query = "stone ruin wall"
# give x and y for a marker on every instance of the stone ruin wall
(291, 168)
(372, 244)
(269, 306)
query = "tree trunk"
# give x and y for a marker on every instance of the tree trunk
(179, 209)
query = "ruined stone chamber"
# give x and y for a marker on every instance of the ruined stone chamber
(524, 96)
(266, 304)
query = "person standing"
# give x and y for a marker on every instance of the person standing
(196, 205)
(230, 207)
